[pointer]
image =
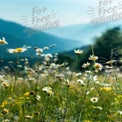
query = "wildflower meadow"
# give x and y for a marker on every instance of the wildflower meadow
(51, 92)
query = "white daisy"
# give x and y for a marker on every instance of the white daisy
(19, 50)
(48, 90)
(94, 99)
(85, 65)
(39, 51)
(78, 52)
(98, 66)
(3, 41)
(79, 74)
(46, 48)
(81, 82)
(93, 58)
(119, 112)
(38, 97)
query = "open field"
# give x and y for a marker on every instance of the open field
(51, 92)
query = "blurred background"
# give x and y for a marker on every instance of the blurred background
(70, 24)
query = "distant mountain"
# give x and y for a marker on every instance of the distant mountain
(17, 36)
(83, 32)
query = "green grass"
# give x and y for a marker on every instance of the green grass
(50, 92)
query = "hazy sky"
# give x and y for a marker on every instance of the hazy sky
(68, 12)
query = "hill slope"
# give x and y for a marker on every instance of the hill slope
(17, 37)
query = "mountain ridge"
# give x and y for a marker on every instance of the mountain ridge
(16, 37)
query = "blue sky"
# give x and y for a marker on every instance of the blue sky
(68, 12)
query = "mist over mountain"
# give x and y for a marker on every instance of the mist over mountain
(83, 32)
(17, 35)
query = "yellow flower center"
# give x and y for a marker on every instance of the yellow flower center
(97, 66)
(93, 58)
(2, 42)
(18, 50)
